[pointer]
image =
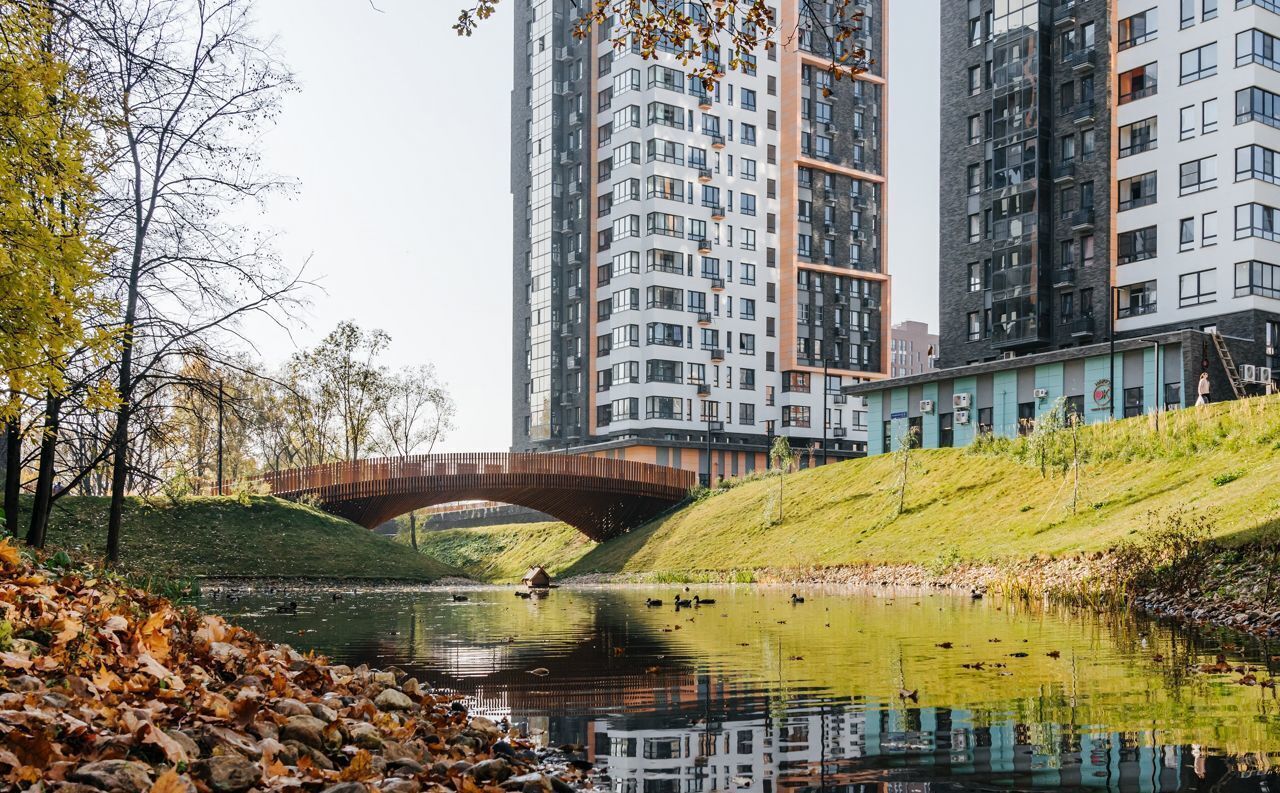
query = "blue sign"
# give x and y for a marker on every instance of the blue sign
(898, 414)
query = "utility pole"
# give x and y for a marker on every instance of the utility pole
(825, 362)
(1114, 310)
(220, 400)
(706, 406)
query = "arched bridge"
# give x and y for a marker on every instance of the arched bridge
(598, 496)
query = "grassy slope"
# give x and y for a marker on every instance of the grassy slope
(503, 553)
(961, 504)
(222, 537)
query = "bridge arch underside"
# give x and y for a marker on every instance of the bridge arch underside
(601, 510)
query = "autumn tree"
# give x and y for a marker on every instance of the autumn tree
(350, 382)
(782, 458)
(415, 413)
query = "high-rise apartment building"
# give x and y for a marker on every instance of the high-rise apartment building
(1107, 153)
(696, 270)
(912, 349)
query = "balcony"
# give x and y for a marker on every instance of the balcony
(717, 213)
(1015, 333)
(717, 355)
(1082, 327)
(715, 426)
(704, 246)
(573, 362)
(838, 432)
(1082, 61)
(717, 283)
(575, 293)
(704, 319)
(1136, 310)
(1082, 220)
(1064, 15)
(1064, 172)
(717, 140)
(1083, 114)
(704, 100)
(838, 399)
(566, 329)
(568, 157)
(1064, 277)
(704, 389)
(704, 175)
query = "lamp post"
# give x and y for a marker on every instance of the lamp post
(221, 395)
(825, 362)
(1114, 310)
(706, 407)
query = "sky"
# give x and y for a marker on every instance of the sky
(398, 138)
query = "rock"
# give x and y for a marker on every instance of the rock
(230, 740)
(302, 750)
(405, 763)
(25, 683)
(530, 783)
(228, 773)
(346, 787)
(495, 770)
(410, 686)
(397, 785)
(503, 748)
(558, 785)
(307, 730)
(290, 707)
(113, 775)
(392, 699)
(322, 712)
(188, 745)
(365, 735)
(74, 787)
(385, 678)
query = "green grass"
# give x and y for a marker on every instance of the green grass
(504, 553)
(983, 504)
(214, 537)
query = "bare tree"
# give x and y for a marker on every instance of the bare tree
(350, 383)
(415, 412)
(190, 87)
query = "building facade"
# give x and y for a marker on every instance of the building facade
(913, 349)
(695, 271)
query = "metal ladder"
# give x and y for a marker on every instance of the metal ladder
(1229, 364)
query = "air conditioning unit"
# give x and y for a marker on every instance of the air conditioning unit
(962, 415)
(1249, 373)
(1264, 374)
(1042, 393)
(926, 406)
(960, 400)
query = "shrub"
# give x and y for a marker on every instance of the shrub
(1227, 478)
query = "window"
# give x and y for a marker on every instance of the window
(975, 228)
(1137, 83)
(747, 240)
(1138, 137)
(1136, 245)
(748, 136)
(626, 117)
(747, 169)
(975, 129)
(747, 379)
(664, 224)
(747, 274)
(975, 326)
(1258, 278)
(1257, 162)
(1209, 229)
(665, 151)
(1209, 10)
(748, 99)
(1136, 300)
(795, 416)
(1198, 64)
(1186, 234)
(746, 308)
(1187, 13)
(666, 115)
(975, 178)
(626, 226)
(1196, 288)
(1257, 104)
(1198, 175)
(1257, 46)
(747, 203)
(1137, 191)
(1209, 116)
(1258, 220)
(1187, 122)
(975, 80)
(975, 277)
(1137, 29)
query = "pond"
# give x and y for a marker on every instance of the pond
(849, 690)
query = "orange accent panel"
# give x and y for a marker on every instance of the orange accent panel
(823, 165)
(788, 185)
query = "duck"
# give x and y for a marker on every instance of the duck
(697, 601)
(335, 597)
(651, 602)
(287, 608)
(524, 595)
(683, 603)
(459, 598)
(796, 599)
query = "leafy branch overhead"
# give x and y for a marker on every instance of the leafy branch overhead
(698, 32)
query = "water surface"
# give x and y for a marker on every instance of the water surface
(844, 692)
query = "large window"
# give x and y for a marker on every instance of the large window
(1137, 29)
(1258, 278)
(665, 224)
(1258, 220)
(1198, 64)
(1136, 300)
(1256, 104)
(795, 416)
(664, 407)
(1136, 245)
(1138, 137)
(1138, 83)
(1197, 288)
(1256, 46)
(1198, 175)
(1257, 162)
(1137, 191)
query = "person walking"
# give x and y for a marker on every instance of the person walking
(1202, 389)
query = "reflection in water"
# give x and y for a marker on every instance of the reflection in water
(854, 692)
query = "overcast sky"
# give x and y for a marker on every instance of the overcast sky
(399, 141)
